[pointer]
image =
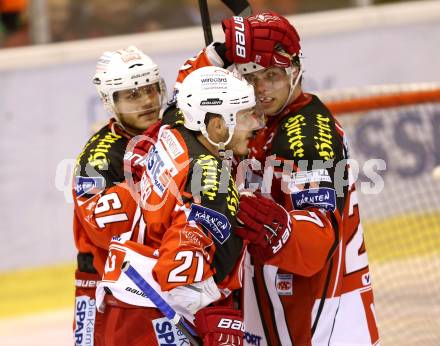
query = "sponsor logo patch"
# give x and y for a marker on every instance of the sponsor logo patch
(193, 237)
(211, 102)
(294, 131)
(167, 333)
(128, 55)
(214, 81)
(313, 176)
(159, 171)
(252, 339)
(216, 223)
(210, 176)
(323, 197)
(324, 137)
(85, 312)
(86, 283)
(98, 154)
(89, 185)
(240, 37)
(284, 283)
(171, 144)
(135, 291)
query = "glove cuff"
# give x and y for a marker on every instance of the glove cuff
(220, 49)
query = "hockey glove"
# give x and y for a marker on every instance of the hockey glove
(266, 226)
(220, 326)
(256, 38)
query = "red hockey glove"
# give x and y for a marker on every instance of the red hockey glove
(220, 326)
(255, 38)
(266, 226)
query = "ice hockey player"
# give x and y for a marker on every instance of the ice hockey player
(309, 281)
(183, 241)
(130, 87)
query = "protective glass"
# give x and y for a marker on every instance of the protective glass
(250, 119)
(143, 100)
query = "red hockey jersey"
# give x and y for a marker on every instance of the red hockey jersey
(188, 202)
(317, 289)
(103, 206)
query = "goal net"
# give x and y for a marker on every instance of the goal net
(400, 125)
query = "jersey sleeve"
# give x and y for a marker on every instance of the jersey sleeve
(200, 242)
(214, 208)
(310, 182)
(104, 206)
(309, 246)
(206, 57)
(106, 214)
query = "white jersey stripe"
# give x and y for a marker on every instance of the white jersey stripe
(339, 268)
(270, 273)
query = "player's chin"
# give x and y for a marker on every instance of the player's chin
(272, 110)
(242, 149)
(145, 121)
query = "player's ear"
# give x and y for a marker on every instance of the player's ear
(215, 125)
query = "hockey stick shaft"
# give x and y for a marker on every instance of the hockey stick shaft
(238, 7)
(206, 21)
(160, 303)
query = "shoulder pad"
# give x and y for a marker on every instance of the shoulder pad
(101, 160)
(308, 135)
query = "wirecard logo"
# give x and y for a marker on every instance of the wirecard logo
(211, 102)
(214, 80)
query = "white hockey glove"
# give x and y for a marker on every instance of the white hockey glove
(195, 296)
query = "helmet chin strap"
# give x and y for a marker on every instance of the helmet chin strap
(121, 125)
(221, 146)
(117, 122)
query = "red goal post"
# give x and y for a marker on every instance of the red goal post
(399, 125)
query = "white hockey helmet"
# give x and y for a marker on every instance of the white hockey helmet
(213, 90)
(125, 69)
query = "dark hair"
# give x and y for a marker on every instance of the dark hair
(210, 116)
